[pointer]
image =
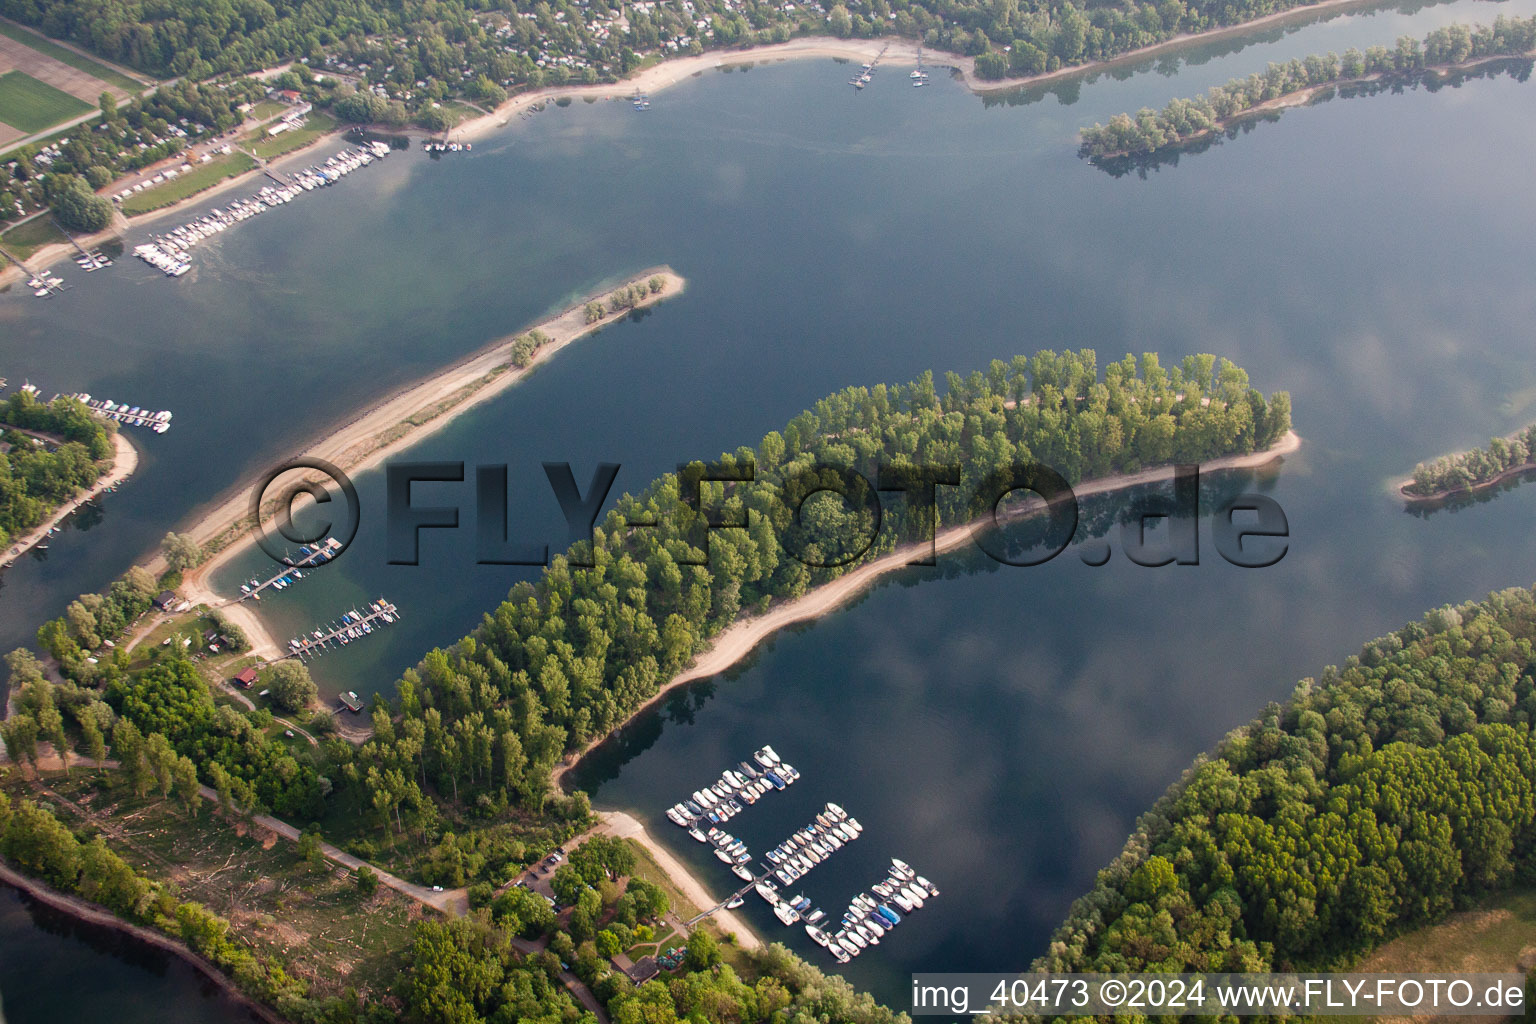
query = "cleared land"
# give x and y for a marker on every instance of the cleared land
(188, 183)
(25, 239)
(312, 916)
(64, 55)
(31, 106)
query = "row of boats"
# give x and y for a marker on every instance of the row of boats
(447, 147)
(170, 252)
(93, 261)
(45, 284)
(723, 799)
(310, 555)
(129, 415)
(354, 625)
(870, 917)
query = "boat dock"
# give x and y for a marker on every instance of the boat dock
(308, 558)
(862, 79)
(353, 625)
(128, 415)
(170, 253)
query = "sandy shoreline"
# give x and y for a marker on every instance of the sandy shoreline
(90, 912)
(385, 428)
(738, 640)
(626, 826)
(898, 50)
(124, 461)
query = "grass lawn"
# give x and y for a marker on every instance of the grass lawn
(25, 239)
(64, 55)
(268, 108)
(664, 938)
(189, 183)
(318, 124)
(32, 106)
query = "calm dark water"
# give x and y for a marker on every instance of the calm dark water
(998, 728)
(58, 968)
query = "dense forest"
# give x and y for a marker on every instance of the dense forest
(567, 659)
(1379, 797)
(1466, 470)
(1183, 120)
(475, 731)
(432, 45)
(37, 477)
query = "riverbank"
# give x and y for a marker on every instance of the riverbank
(125, 460)
(101, 917)
(627, 826)
(739, 639)
(394, 424)
(897, 50)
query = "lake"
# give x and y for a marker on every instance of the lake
(999, 728)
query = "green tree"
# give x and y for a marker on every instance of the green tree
(292, 687)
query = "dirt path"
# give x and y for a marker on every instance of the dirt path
(124, 461)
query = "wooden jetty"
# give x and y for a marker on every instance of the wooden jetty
(322, 553)
(354, 625)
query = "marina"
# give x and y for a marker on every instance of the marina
(722, 800)
(353, 625)
(869, 918)
(309, 557)
(128, 415)
(170, 252)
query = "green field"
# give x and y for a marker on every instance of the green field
(25, 239)
(32, 106)
(271, 146)
(189, 183)
(70, 57)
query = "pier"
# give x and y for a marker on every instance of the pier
(354, 625)
(310, 557)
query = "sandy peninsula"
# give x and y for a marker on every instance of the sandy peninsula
(393, 424)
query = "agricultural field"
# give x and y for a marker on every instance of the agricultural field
(31, 106)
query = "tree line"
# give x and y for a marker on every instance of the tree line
(1377, 799)
(1183, 120)
(481, 724)
(1466, 470)
(35, 479)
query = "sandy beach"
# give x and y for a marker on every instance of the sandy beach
(392, 425)
(125, 460)
(741, 638)
(626, 826)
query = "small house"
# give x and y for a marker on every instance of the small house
(246, 678)
(165, 600)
